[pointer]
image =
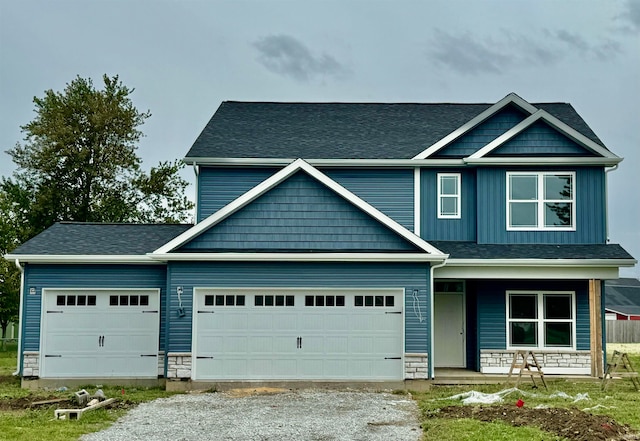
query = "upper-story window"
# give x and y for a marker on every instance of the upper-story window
(541, 201)
(449, 196)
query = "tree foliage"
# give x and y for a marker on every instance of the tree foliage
(78, 162)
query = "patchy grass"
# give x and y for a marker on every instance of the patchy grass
(19, 422)
(620, 401)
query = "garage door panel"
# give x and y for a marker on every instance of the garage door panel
(100, 333)
(320, 335)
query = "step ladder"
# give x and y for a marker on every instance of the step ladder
(521, 362)
(620, 360)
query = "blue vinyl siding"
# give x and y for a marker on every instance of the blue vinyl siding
(219, 186)
(290, 274)
(492, 316)
(390, 191)
(589, 199)
(300, 214)
(84, 276)
(540, 139)
(483, 134)
(432, 228)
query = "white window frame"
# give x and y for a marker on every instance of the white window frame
(457, 195)
(541, 200)
(540, 320)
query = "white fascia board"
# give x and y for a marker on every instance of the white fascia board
(544, 262)
(81, 258)
(554, 122)
(512, 98)
(299, 257)
(616, 311)
(543, 161)
(276, 179)
(525, 272)
(319, 162)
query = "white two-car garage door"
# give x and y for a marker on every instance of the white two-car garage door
(100, 333)
(287, 334)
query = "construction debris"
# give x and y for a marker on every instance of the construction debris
(83, 398)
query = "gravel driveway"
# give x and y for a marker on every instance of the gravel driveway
(270, 415)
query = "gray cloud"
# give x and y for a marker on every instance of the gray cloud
(287, 56)
(467, 55)
(631, 15)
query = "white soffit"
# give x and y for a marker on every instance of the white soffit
(512, 98)
(278, 178)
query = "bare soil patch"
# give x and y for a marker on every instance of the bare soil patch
(571, 423)
(28, 402)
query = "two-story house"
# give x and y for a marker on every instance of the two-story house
(342, 241)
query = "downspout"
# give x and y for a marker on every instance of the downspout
(432, 370)
(21, 307)
(606, 200)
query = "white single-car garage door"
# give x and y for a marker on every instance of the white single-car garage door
(100, 333)
(287, 334)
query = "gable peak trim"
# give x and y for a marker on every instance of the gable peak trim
(542, 115)
(511, 98)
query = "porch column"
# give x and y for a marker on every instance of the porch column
(595, 322)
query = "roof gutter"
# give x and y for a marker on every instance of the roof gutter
(20, 308)
(299, 257)
(543, 262)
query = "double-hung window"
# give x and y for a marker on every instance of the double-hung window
(543, 320)
(449, 196)
(541, 201)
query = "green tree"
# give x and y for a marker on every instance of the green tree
(78, 162)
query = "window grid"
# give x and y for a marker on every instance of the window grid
(224, 300)
(449, 195)
(76, 300)
(374, 301)
(274, 300)
(545, 329)
(129, 300)
(544, 208)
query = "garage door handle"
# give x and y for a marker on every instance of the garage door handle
(299, 343)
(206, 312)
(393, 312)
(54, 356)
(149, 312)
(55, 312)
(204, 358)
(392, 358)
(148, 355)
(101, 341)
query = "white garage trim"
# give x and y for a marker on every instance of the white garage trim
(99, 333)
(303, 341)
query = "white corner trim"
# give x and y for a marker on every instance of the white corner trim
(417, 200)
(512, 98)
(554, 122)
(281, 176)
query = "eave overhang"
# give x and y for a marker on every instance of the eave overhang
(299, 257)
(581, 263)
(77, 258)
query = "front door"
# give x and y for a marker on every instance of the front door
(449, 333)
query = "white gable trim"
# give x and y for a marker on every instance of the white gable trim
(278, 178)
(552, 121)
(512, 98)
(81, 258)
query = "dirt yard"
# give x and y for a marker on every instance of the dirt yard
(572, 423)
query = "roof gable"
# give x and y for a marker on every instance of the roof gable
(336, 133)
(274, 181)
(299, 214)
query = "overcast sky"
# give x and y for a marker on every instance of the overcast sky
(184, 57)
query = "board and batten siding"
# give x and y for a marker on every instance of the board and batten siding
(84, 276)
(589, 200)
(219, 186)
(483, 134)
(300, 214)
(432, 228)
(492, 314)
(541, 139)
(390, 191)
(407, 276)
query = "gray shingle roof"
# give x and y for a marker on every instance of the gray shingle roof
(472, 250)
(341, 130)
(623, 295)
(74, 238)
